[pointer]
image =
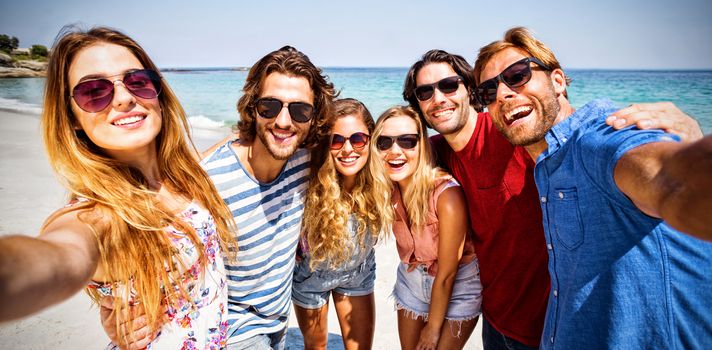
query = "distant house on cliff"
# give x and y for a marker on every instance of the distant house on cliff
(21, 51)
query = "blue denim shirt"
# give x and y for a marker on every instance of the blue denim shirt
(619, 278)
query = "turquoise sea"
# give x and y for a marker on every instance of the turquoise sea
(210, 95)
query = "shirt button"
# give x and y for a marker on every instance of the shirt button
(556, 293)
(543, 199)
(551, 339)
(563, 139)
(549, 246)
(561, 195)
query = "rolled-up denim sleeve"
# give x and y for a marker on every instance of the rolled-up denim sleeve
(602, 148)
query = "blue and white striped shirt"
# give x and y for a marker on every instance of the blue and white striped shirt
(268, 218)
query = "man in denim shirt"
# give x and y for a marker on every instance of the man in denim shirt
(620, 276)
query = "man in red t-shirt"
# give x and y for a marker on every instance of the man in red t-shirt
(498, 181)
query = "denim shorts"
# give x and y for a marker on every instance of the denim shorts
(413, 289)
(272, 341)
(311, 289)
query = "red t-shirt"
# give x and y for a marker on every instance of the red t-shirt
(498, 181)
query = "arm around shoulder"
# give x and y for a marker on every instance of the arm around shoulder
(37, 272)
(212, 148)
(671, 181)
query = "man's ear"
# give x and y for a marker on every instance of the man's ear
(558, 79)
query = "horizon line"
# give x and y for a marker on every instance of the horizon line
(246, 68)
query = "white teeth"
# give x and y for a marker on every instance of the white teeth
(348, 159)
(442, 113)
(128, 120)
(517, 111)
(281, 135)
(396, 162)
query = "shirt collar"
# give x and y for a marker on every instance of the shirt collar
(560, 133)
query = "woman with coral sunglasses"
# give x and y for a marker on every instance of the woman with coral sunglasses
(340, 227)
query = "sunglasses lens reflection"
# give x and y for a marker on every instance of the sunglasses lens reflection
(94, 95)
(143, 83)
(408, 141)
(358, 140)
(337, 141)
(300, 112)
(424, 93)
(268, 107)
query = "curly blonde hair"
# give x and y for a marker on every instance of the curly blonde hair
(422, 184)
(123, 212)
(328, 206)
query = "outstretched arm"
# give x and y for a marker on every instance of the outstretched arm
(659, 115)
(453, 224)
(671, 181)
(37, 272)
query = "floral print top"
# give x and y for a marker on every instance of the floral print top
(205, 325)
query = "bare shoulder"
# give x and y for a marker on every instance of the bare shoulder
(451, 200)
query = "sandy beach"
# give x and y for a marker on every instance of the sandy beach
(29, 192)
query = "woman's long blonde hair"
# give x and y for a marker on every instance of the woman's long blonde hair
(423, 179)
(128, 220)
(328, 206)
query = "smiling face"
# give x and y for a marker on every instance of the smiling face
(129, 124)
(349, 161)
(446, 113)
(523, 114)
(400, 163)
(281, 136)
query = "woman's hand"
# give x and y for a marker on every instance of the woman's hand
(429, 338)
(134, 336)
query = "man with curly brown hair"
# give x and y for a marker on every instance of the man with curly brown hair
(262, 175)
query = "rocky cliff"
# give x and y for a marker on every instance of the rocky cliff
(21, 69)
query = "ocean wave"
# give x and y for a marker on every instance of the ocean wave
(19, 106)
(203, 122)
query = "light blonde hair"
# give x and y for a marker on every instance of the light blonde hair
(328, 206)
(124, 213)
(520, 38)
(423, 179)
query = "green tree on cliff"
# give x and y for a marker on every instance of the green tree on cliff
(8, 43)
(37, 51)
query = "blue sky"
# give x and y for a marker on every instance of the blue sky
(652, 34)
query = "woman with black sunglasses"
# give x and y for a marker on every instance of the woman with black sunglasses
(340, 228)
(144, 223)
(438, 290)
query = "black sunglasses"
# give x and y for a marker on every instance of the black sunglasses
(516, 75)
(96, 94)
(269, 108)
(357, 140)
(446, 86)
(407, 141)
